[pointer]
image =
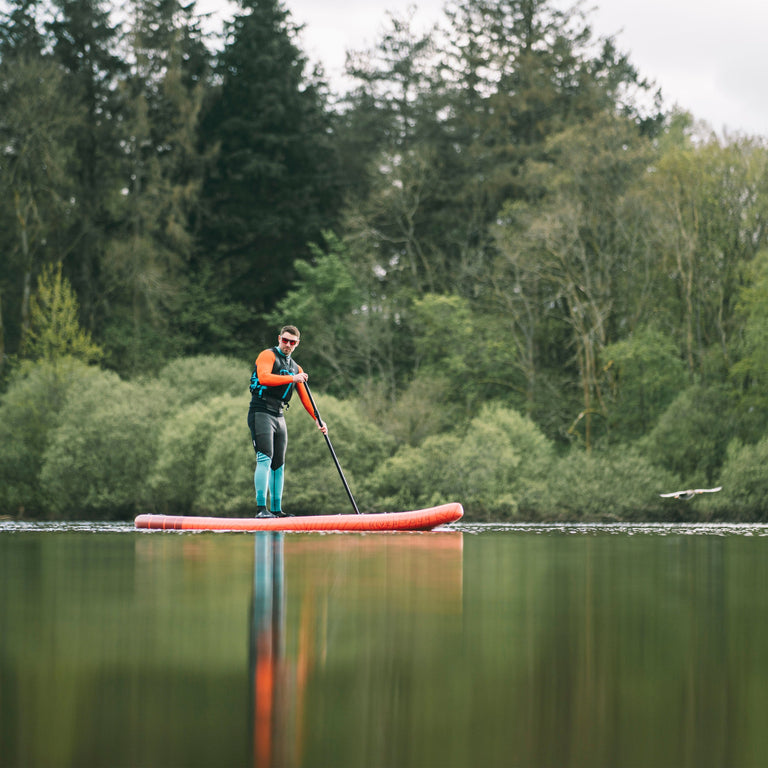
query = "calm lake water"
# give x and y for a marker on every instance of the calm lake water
(479, 645)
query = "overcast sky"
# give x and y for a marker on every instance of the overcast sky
(709, 58)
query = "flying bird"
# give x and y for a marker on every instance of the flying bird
(690, 493)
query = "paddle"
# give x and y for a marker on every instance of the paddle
(330, 447)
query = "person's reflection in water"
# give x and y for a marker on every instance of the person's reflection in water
(266, 646)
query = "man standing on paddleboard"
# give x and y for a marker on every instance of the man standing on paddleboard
(275, 375)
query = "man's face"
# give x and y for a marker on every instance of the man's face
(287, 342)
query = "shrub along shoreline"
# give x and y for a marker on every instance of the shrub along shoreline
(78, 442)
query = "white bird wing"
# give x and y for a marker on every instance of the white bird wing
(689, 493)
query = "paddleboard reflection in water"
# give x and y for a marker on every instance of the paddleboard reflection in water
(394, 592)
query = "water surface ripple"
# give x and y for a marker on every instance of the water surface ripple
(546, 529)
(619, 529)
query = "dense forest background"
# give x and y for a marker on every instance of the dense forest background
(523, 282)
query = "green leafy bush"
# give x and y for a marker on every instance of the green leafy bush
(312, 482)
(413, 417)
(99, 456)
(488, 467)
(205, 459)
(745, 484)
(646, 374)
(620, 485)
(418, 477)
(225, 466)
(183, 465)
(691, 436)
(29, 412)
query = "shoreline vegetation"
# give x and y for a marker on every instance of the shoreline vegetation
(78, 442)
(523, 282)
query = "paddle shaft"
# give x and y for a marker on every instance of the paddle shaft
(330, 448)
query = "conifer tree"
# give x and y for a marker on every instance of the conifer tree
(148, 255)
(55, 330)
(273, 187)
(37, 121)
(84, 38)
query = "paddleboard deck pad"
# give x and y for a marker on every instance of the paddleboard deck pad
(418, 520)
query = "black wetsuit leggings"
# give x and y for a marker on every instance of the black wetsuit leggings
(269, 436)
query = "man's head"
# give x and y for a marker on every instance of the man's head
(288, 339)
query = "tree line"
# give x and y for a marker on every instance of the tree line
(499, 212)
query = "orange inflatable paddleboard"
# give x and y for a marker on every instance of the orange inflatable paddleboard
(418, 520)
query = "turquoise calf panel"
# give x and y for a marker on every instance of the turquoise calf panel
(261, 478)
(276, 480)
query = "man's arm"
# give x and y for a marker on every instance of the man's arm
(307, 403)
(264, 364)
(304, 397)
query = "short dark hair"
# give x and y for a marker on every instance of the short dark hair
(290, 329)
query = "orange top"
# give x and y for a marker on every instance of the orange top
(265, 362)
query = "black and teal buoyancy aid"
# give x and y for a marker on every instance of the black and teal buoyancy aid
(273, 399)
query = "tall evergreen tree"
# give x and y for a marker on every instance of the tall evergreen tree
(397, 77)
(84, 42)
(147, 257)
(388, 110)
(466, 109)
(400, 184)
(518, 72)
(55, 330)
(274, 186)
(39, 119)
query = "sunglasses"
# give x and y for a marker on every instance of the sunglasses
(290, 342)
